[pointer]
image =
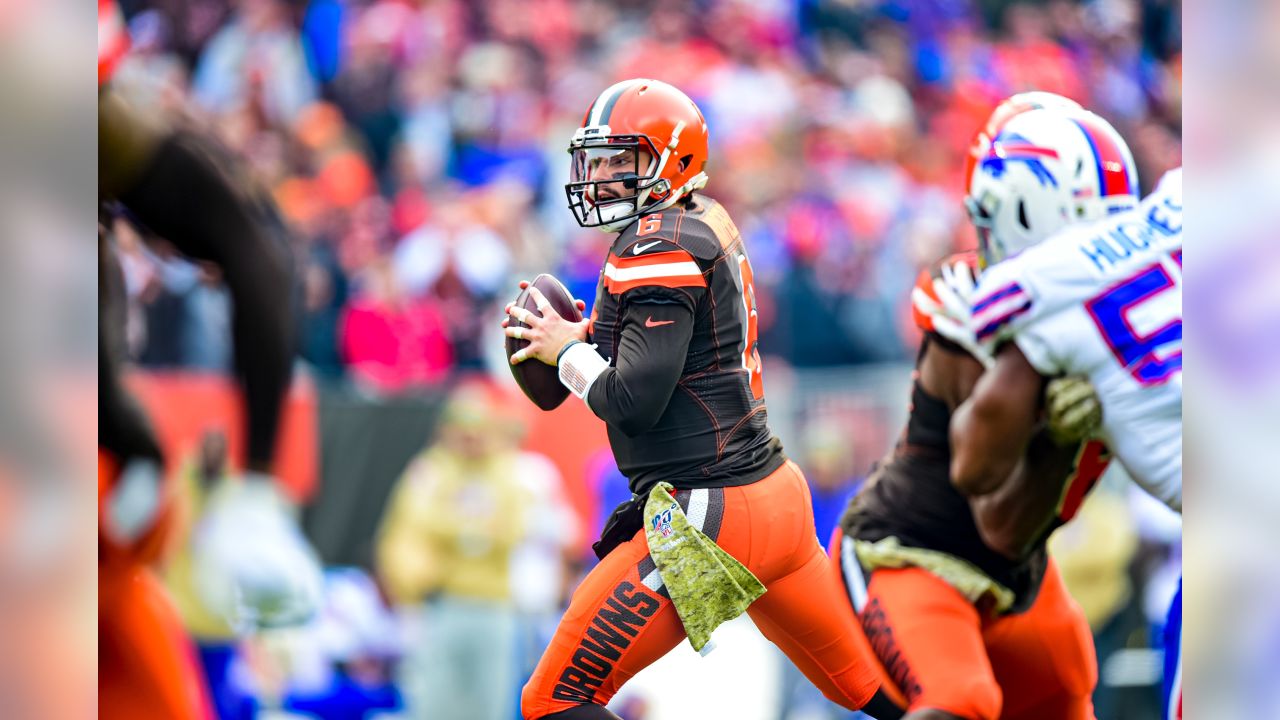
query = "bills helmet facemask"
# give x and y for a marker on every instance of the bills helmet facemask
(641, 148)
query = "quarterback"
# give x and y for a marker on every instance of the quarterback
(669, 360)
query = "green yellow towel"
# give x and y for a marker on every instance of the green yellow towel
(706, 584)
(965, 577)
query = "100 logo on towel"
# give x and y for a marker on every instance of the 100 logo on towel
(662, 523)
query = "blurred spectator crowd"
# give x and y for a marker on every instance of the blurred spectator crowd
(417, 148)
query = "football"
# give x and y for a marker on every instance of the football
(540, 381)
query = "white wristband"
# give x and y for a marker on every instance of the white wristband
(580, 365)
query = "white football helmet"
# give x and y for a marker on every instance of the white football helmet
(1045, 169)
(1008, 109)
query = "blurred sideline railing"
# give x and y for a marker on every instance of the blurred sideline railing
(342, 451)
(867, 404)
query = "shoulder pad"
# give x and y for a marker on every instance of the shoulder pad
(676, 225)
(707, 234)
(634, 247)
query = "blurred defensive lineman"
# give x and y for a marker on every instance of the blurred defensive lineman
(674, 371)
(963, 604)
(185, 189)
(1102, 300)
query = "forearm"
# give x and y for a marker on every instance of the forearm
(1016, 516)
(981, 458)
(123, 429)
(188, 194)
(990, 431)
(633, 395)
(618, 399)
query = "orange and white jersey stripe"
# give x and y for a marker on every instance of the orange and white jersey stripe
(671, 269)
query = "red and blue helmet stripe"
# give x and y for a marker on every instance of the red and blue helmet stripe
(1115, 176)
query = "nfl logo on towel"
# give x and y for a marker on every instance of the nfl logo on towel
(662, 523)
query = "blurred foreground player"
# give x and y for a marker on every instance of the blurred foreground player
(963, 604)
(1103, 300)
(674, 371)
(185, 190)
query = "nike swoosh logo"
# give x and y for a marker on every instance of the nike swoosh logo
(649, 322)
(641, 248)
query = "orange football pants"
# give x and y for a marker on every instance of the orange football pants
(947, 655)
(620, 619)
(147, 664)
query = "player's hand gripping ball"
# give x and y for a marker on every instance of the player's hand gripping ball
(541, 321)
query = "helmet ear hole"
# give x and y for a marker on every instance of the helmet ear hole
(1022, 215)
(684, 162)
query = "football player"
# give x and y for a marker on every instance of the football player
(186, 190)
(669, 360)
(962, 603)
(1104, 301)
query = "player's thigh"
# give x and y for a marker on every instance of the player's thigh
(929, 638)
(614, 627)
(1044, 658)
(807, 615)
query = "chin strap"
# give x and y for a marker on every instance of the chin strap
(697, 182)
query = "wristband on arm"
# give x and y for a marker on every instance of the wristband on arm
(580, 365)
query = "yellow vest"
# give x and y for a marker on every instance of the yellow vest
(450, 527)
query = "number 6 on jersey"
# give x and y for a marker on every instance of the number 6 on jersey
(751, 322)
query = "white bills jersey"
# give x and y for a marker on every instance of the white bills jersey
(1104, 300)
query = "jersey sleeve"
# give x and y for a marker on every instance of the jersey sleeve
(654, 343)
(1002, 302)
(1009, 305)
(1039, 351)
(659, 279)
